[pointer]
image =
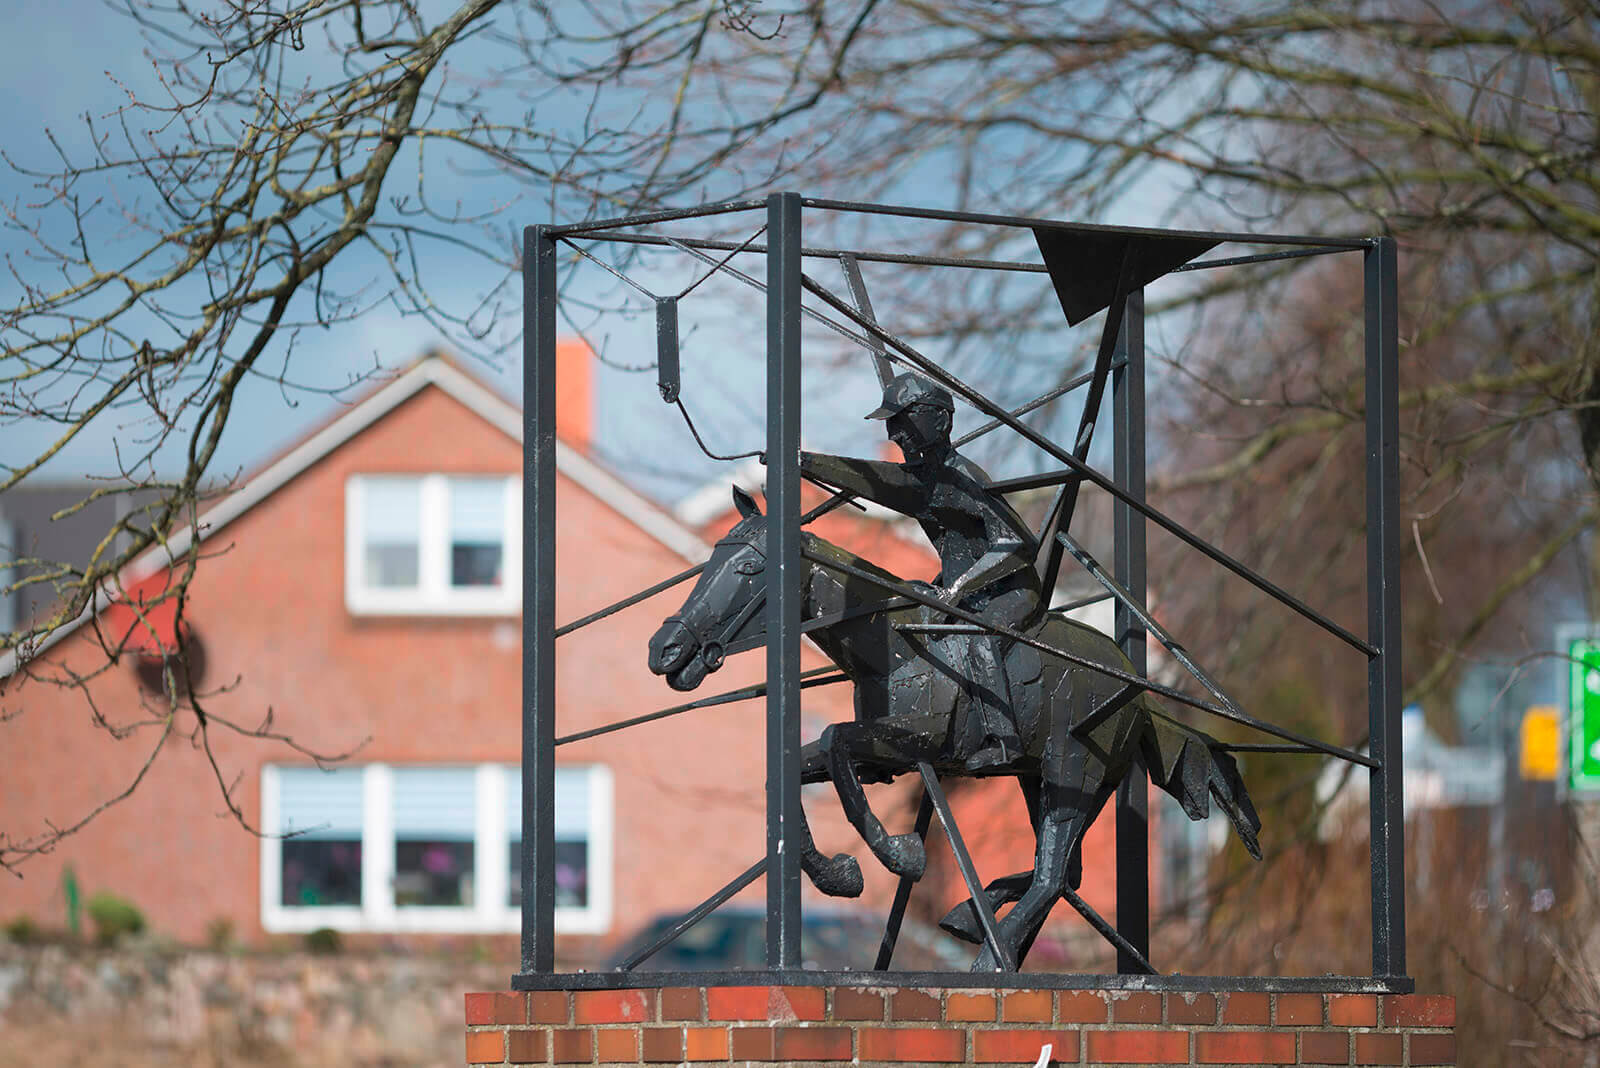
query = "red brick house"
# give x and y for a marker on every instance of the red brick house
(360, 595)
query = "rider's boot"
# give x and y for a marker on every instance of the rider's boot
(991, 695)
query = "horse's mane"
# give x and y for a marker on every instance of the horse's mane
(755, 526)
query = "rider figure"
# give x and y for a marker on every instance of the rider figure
(985, 549)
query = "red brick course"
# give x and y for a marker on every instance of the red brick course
(891, 1027)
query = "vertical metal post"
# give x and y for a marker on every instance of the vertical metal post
(1133, 796)
(785, 579)
(1383, 608)
(538, 599)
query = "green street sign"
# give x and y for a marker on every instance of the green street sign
(1583, 718)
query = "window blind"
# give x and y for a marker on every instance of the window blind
(435, 804)
(572, 803)
(326, 805)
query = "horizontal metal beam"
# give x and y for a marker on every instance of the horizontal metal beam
(671, 215)
(858, 208)
(905, 259)
(963, 980)
(908, 259)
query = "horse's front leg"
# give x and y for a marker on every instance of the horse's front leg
(836, 876)
(887, 747)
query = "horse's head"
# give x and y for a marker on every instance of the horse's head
(724, 605)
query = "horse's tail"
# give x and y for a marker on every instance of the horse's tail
(1193, 767)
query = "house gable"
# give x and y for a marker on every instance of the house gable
(444, 376)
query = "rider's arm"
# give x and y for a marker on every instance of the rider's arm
(1007, 543)
(1000, 560)
(879, 481)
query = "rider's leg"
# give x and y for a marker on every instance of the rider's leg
(991, 698)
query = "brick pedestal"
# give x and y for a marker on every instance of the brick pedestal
(823, 1025)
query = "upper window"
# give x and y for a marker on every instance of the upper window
(432, 545)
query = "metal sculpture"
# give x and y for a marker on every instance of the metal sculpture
(1078, 722)
(971, 675)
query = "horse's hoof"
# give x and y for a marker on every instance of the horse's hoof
(905, 855)
(962, 922)
(839, 877)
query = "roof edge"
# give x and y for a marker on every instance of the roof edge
(433, 369)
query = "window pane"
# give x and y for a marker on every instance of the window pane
(477, 531)
(321, 864)
(392, 519)
(434, 826)
(572, 874)
(322, 871)
(572, 833)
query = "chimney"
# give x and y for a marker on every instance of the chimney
(574, 392)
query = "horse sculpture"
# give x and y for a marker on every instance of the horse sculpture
(1082, 729)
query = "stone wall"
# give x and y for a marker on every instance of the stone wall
(895, 1026)
(147, 1007)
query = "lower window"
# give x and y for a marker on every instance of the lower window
(424, 848)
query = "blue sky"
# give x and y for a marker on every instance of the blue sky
(80, 57)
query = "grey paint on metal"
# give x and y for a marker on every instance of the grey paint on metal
(785, 581)
(1383, 608)
(667, 380)
(858, 293)
(538, 599)
(1128, 469)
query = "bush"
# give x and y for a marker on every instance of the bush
(22, 930)
(219, 934)
(114, 917)
(324, 940)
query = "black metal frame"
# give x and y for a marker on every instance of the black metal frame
(784, 289)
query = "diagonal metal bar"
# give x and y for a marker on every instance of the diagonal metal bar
(906, 590)
(969, 874)
(1262, 257)
(756, 283)
(1015, 635)
(814, 677)
(696, 914)
(970, 436)
(1146, 620)
(1080, 602)
(1066, 502)
(1166, 522)
(1107, 708)
(632, 599)
(1181, 655)
(858, 291)
(1108, 932)
(902, 891)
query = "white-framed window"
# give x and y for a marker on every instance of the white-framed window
(433, 544)
(426, 848)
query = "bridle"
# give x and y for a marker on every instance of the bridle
(714, 648)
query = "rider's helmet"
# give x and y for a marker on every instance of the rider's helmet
(907, 389)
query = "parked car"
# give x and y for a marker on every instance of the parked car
(733, 938)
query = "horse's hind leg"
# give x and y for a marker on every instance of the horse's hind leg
(843, 744)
